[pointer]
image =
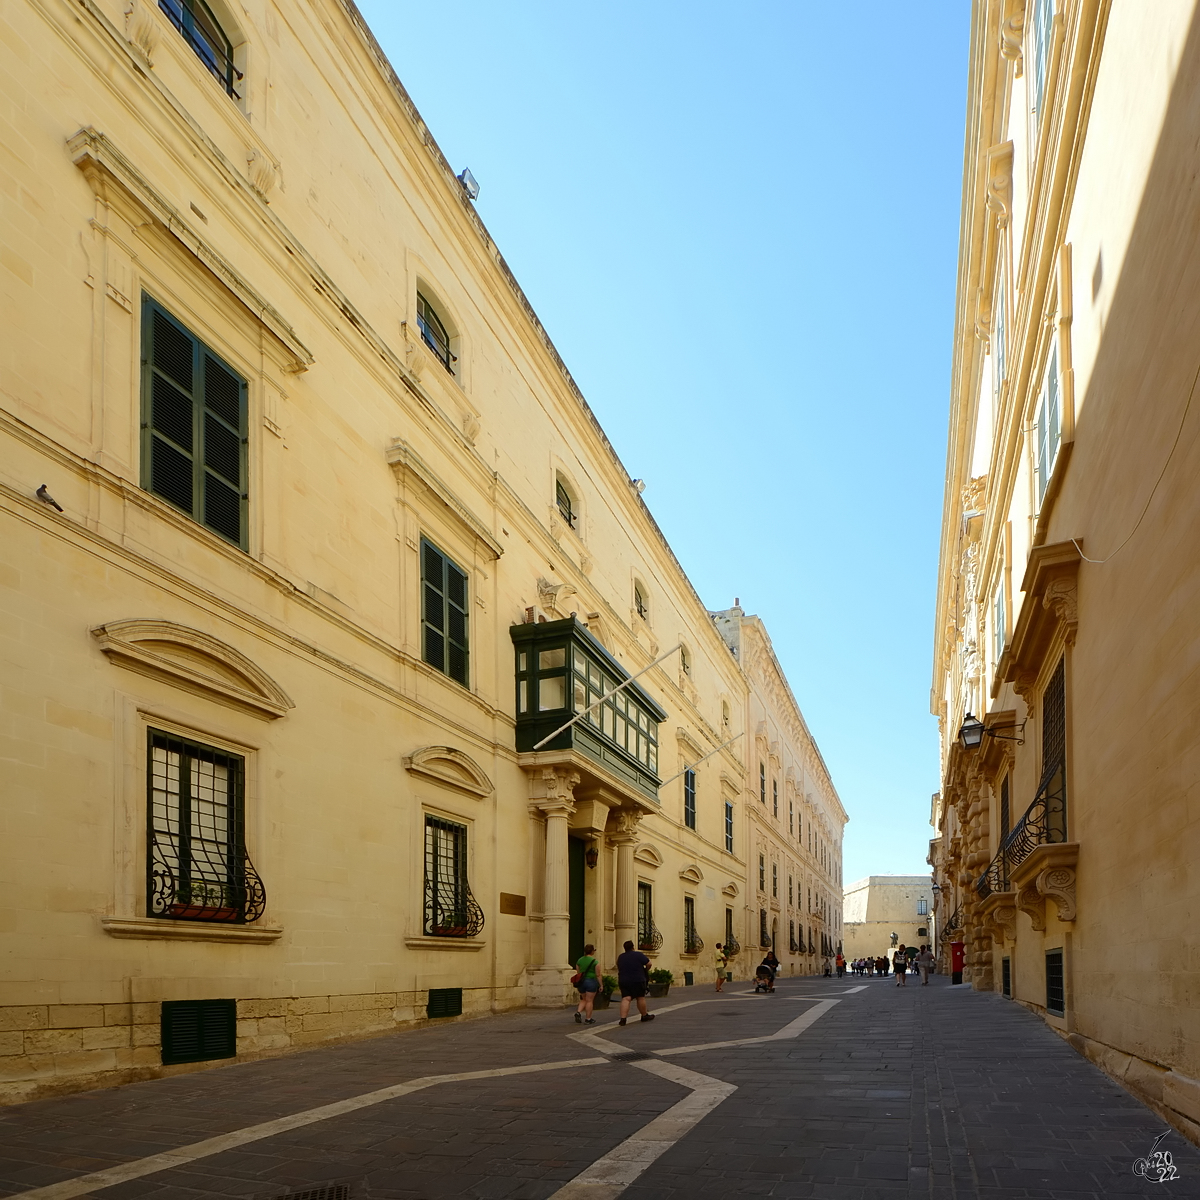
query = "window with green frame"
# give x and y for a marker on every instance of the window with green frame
(194, 426)
(728, 826)
(689, 798)
(444, 614)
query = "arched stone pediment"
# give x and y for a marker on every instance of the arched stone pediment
(691, 873)
(730, 889)
(194, 661)
(649, 855)
(451, 767)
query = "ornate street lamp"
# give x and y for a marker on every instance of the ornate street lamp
(971, 732)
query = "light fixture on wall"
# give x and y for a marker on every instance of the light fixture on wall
(591, 856)
(971, 732)
(470, 184)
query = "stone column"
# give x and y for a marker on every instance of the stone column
(558, 907)
(553, 798)
(625, 840)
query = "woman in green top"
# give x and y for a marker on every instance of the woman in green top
(588, 985)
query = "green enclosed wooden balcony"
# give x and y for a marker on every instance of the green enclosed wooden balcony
(562, 671)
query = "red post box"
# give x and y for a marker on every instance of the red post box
(957, 954)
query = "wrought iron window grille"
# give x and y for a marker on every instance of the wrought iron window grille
(566, 508)
(693, 943)
(732, 947)
(203, 33)
(197, 867)
(450, 908)
(434, 333)
(952, 926)
(649, 937)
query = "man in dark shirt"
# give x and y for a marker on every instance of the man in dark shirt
(633, 973)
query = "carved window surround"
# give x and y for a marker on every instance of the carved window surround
(450, 767)
(1049, 615)
(194, 661)
(414, 473)
(112, 176)
(156, 929)
(1047, 874)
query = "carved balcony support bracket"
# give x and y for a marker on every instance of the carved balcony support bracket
(1033, 904)
(1058, 884)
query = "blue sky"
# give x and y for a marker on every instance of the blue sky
(740, 226)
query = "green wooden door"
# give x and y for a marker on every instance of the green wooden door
(575, 850)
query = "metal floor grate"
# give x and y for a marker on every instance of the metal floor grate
(335, 1191)
(630, 1056)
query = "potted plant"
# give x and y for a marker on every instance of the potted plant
(608, 985)
(660, 982)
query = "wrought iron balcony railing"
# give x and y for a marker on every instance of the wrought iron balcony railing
(227, 890)
(648, 937)
(1044, 823)
(452, 912)
(693, 943)
(732, 947)
(952, 926)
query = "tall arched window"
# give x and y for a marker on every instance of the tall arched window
(565, 502)
(202, 31)
(434, 333)
(640, 603)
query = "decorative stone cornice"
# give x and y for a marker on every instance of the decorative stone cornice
(1050, 608)
(451, 767)
(194, 661)
(111, 174)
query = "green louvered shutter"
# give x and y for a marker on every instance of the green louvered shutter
(444, 614)
(194, 424)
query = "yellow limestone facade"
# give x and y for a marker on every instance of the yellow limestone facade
(884, 912)
(793, 819)
(311, 546)
(1068, 611)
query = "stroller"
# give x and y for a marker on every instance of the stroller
(764, 979)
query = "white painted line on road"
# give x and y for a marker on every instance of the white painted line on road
(609, 1176)
(83, 1185)
(791, 1030)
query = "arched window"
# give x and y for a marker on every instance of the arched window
(685, 660)
(202, 31)
(565, 502)
(434, 333)
(639, 602)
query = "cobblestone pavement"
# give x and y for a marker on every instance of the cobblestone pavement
(816, 1091)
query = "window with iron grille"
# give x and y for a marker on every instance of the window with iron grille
(728, 826)
(194, 426)
(1054, 753)
(775, 797)
(1056, 995)
(691, 939)
(450, 908)
(648, 937)
(792, 936)
(197, 868)
(689, 798)
(566, 507)
(202, 31)
(764, 936)
(728, 926)
(639, 602)
(433, 333)
(444, 613)
(1006, 976)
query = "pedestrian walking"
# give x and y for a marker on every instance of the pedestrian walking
(841, 965)
(925, 963)
(588, 983)
(633, 976)
(722, 961)
(900, 966)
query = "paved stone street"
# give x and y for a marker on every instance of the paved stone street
(837, 1089)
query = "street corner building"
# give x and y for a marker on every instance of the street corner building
(1068, 608)
(347, 680)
